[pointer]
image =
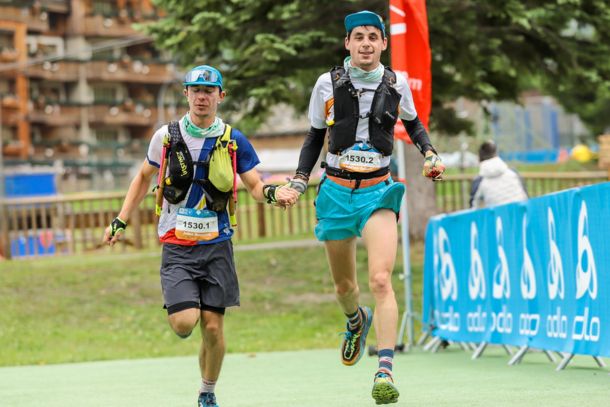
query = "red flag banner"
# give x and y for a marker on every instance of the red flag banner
(410, 47)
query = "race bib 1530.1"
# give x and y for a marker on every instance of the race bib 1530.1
(196, 224)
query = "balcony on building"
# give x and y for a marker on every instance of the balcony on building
(62, 71)
(8, 52)
(106, 19)
(55, 6)
(10, 109)
(130, 69)
(46, 57)
(54, 112)
(124, 113)
(29, 12)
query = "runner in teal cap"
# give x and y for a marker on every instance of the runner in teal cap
(358, 104)
(198, 274)
(364, 18)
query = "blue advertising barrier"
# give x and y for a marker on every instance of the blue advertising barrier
(533, 274)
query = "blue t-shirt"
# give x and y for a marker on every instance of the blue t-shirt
(200, 150)
(246, 160)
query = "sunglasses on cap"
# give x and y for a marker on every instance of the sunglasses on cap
(203, 76)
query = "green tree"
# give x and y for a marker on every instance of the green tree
(495, 49)
(272, 51)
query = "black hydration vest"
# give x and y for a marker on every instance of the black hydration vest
(181, 174)
(382, 115)
(180, 167)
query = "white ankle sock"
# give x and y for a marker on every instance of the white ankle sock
(207, 386)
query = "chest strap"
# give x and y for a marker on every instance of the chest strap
(339, 173)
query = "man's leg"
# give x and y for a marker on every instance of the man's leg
(211, 354)
(381, 240)
(212, 349)
(342, 260)
(183, 322)
(341, 256)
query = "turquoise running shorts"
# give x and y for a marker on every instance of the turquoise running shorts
(342, 212)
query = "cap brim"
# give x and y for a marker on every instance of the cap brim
(202, 84)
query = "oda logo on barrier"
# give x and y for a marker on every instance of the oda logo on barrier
(556, 324)
(476, 278)
(585, 327)
(528, 323)
(448, 278)
(448, 320)
(501, 282)
(501, 322)
(555, 268)
(476, 321)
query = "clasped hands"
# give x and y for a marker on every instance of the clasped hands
(286, 196)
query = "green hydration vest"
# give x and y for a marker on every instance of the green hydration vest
(382, 115)
(221, 165)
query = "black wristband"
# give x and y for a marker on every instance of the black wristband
(117, 225)
(301, 175)
(269, 193)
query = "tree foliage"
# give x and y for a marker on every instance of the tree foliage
(272, 51)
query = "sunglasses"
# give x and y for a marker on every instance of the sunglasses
(201, 76)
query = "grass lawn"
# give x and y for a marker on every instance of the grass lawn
(108, 305)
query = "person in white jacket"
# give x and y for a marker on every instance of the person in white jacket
(496, 184)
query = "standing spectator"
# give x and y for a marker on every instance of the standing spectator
(496, 184)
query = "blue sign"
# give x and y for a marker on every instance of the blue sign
(533, 273)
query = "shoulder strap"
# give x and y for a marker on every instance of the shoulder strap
(223, 140)
(389, 76)
(336, 74)
(174, 131)
(227, 134)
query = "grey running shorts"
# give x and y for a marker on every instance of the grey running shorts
(201, 276)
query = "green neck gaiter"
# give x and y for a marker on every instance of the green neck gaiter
(192, 130)
(362, 75)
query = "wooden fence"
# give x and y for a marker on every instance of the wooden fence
(32, 227)
(453, 193)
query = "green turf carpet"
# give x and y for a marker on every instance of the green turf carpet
(310, 379)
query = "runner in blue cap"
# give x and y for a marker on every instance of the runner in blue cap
(358, 104)
(198, 276)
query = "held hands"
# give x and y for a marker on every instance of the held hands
(114, 232)
(286, 196)
(297, 184)
(433, 166)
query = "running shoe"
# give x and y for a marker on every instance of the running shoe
(354, 343)
(384, 391)
(207, 400)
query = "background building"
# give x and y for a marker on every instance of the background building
(80, 88)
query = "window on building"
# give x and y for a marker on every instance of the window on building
(106, 135)
(6, 40)
(103, 94)
(107, 8)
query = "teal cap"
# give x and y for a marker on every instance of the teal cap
(204, 75)
(364, 18)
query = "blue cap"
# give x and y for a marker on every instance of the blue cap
(364, 18)
(204, 75)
